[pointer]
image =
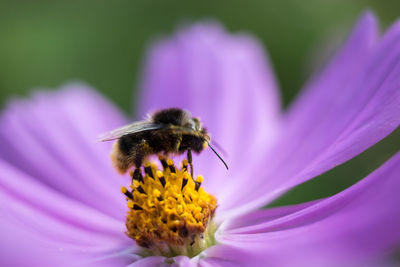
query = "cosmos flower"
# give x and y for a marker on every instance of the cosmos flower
(60, 197)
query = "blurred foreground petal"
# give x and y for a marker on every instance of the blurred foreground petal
(52, 137)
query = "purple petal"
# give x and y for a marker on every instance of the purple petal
(184, 261)
(59, 196)
(53, 139)
(27, 253)
(230, 256)
(238, 255)
(49, 223)
(266, 215)
(352, 105)
(23, 194)
(356, 225)
(225, 81)
(149, 262)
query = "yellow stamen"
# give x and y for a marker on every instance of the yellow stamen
(199, 179)
(185, 163)
(169, 213)
(123, 190)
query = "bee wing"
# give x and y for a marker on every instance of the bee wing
(130, 129)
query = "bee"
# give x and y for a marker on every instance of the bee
(167, 131)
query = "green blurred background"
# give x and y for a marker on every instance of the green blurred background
(48, 43)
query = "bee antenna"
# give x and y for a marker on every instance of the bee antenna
(226, 165)
(219, 147)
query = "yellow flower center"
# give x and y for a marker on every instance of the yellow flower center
(169, 213)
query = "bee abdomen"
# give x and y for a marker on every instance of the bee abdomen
(119, 159)
(127, 143)
(128, 151)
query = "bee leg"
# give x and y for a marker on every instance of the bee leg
(189, 158)
(138, 161)
(137, 174)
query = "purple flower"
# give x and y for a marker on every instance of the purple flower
(60, 199)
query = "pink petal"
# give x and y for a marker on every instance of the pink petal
(225, 81)
(27, 253)
(184, 261)
(25, 194)
(356, 225)
(353, 104)
(230, 256)
(60, 197)
(53, 139)
(265, 215)
(149, 262)
(48, 223)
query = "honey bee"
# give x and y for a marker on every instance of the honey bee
(167, 131)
